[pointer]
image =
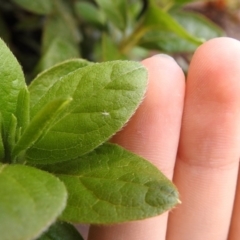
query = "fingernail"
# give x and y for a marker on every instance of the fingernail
(162, 55)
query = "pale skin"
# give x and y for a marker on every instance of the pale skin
(191, 132)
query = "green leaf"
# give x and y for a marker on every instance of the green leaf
(40, 124)
(89, 12)
(60, 50)
(104, 97)
(36, 6)
(112, 185)
(22, 111)
(45, 80)
(138, 53)
(61, 231)
(156, 19)
(182, 1)
(109, 49)
(115, 11)
(10, 139)
(134, 10)
(60, 36)
(169, 42)
(30, 201)
(11, 82)
(60, 24)
(197, 24)
(2, 151)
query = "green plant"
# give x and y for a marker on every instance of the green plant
(42, 33)
(56, 164)
(55, 159)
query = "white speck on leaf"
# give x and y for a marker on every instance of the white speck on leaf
(105, 113)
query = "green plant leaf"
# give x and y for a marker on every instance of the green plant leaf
(30, 201)
(61, 24)
(10, 139)
(61, 231)
(11, 82)
(60, 50)
(40, 124)
(115, 11)
(2, 151)
(22, 110)
(36, 6)
(169, 42)
(60, 37)
(182, 1)
(197, 25)
(89, 13)
(45, 80)
(104, 97)
(111, 185)
(109, 49)
(155, 18)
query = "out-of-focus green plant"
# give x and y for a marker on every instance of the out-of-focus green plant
(42, 33)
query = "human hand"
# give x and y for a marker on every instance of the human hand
(204, 162)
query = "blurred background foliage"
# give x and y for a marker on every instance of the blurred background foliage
(42, 33)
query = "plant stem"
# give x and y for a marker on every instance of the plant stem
(127, 44)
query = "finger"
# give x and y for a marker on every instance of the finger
(207, 164)
(153, 133)
(234, 233)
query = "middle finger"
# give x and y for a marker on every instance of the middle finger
(207, 165)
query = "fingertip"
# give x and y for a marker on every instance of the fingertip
(219, 43)
(155, 62)
(166, 78)
(210, 123)
(216, 64)
(219, 54)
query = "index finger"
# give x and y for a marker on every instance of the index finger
(153, 133)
